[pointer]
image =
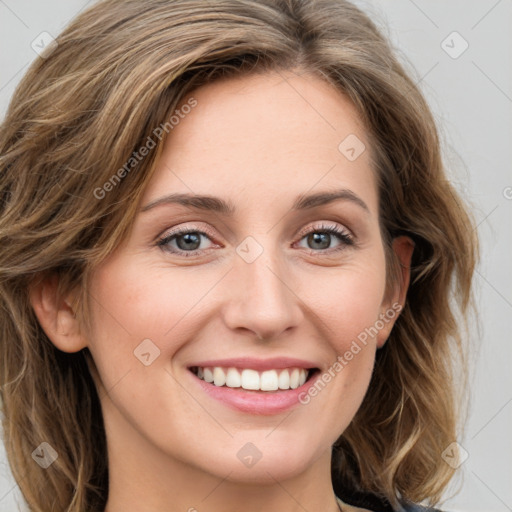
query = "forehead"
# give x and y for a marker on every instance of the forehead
(261, 138)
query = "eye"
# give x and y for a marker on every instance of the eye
(187, 241)
(320, 238)
(184, 242)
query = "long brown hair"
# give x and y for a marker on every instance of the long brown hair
(117, 72)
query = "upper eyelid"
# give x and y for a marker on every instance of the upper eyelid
(323, 225)
(180, 230)
(197, 227)
(318, 226)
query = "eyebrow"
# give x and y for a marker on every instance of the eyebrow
(216, 204)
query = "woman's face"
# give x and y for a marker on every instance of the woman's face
(273, 280)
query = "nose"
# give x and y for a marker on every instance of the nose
(261, 298)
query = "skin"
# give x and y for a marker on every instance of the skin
(258, 142)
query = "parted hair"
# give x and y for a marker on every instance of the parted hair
(119, 70)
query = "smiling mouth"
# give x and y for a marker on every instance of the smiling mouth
(282, 379)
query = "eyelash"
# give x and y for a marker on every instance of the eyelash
(343, 236)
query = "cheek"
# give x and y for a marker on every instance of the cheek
(130, 305)
(132, 301)
(139, 308)
(348, 302)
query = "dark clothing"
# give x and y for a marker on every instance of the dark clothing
(418, 508)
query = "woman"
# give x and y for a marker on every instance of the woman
(231, 265)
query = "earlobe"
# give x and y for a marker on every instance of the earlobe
(403, 248)
(55, 315)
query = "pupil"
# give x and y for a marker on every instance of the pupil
(322, 238)
(188, 238)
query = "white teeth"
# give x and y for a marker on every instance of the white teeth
(233, 379)
(208, 374)
(268, 380)
(294, 378)
(250, 380)
(219, 376)
(284, 380)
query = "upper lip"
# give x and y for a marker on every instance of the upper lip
(252, 363)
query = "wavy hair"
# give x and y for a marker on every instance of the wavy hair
(119, 70)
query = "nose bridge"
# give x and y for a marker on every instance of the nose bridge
(262, 300)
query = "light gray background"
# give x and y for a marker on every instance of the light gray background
(471, 97)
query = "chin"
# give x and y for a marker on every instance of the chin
(259, 462)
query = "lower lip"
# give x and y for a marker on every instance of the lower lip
(256, 402)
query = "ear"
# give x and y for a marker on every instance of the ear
(394, 300)
(55, 314)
